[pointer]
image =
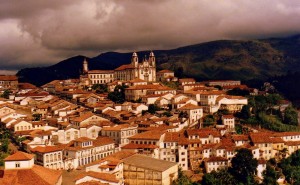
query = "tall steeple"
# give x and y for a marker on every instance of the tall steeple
(152, 59)
(85, 66)
(134, 60)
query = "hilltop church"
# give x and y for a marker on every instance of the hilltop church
(146, 70)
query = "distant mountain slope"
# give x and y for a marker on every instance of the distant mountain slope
(224, 59)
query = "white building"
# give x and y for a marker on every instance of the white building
(144, 71)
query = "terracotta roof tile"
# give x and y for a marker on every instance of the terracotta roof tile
(48, 149)
(124, 67)
(203, 133)
(19, 156)
(139, 146)
(189, 106)
(260, 137)
(8, 78)
(118, 127)
(152, 135)
(37, 175)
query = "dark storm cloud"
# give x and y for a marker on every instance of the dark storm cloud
(43, 32)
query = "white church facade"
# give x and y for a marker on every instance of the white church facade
(145, 70)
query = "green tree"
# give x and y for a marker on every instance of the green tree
(4, 145)
(209, 120)
(243, 166)
(182, 179)
(5, 94)
(221, 177)
(36, 117)
(270, 176)
(291, 168)
(290, 116)
(118, 95)
(245, 112)
(152, 108)
(100, 88)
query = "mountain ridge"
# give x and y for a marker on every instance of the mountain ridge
(222, 59)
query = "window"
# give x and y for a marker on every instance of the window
(17, 165)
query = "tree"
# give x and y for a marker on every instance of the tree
(245, 112)
(182, 179)
(179, 72)
(270, 176)
(290, 168)
(36, 117)
(4, 145)
(243, 166)
(153, 108)
(118, 96)
(221, 177)
(100, 88)
(290, 116)
(5, 94)
(208, 120)
(238, 92)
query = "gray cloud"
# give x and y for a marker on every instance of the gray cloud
(37, 33)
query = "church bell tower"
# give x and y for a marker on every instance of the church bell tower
(152, 59)
(135, 60)
(85, 66)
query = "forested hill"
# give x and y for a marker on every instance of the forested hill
(224, 59)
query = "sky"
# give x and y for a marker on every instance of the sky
(43, 32)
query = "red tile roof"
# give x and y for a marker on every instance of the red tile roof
(19, 156)
(118, 127)
(37, 175)
(240, 137)
(47, 149)
(260, 137)
(203, 133)
(124, 67)
(189, 107)
(8, 78)
(150, 135)
(139, 146)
